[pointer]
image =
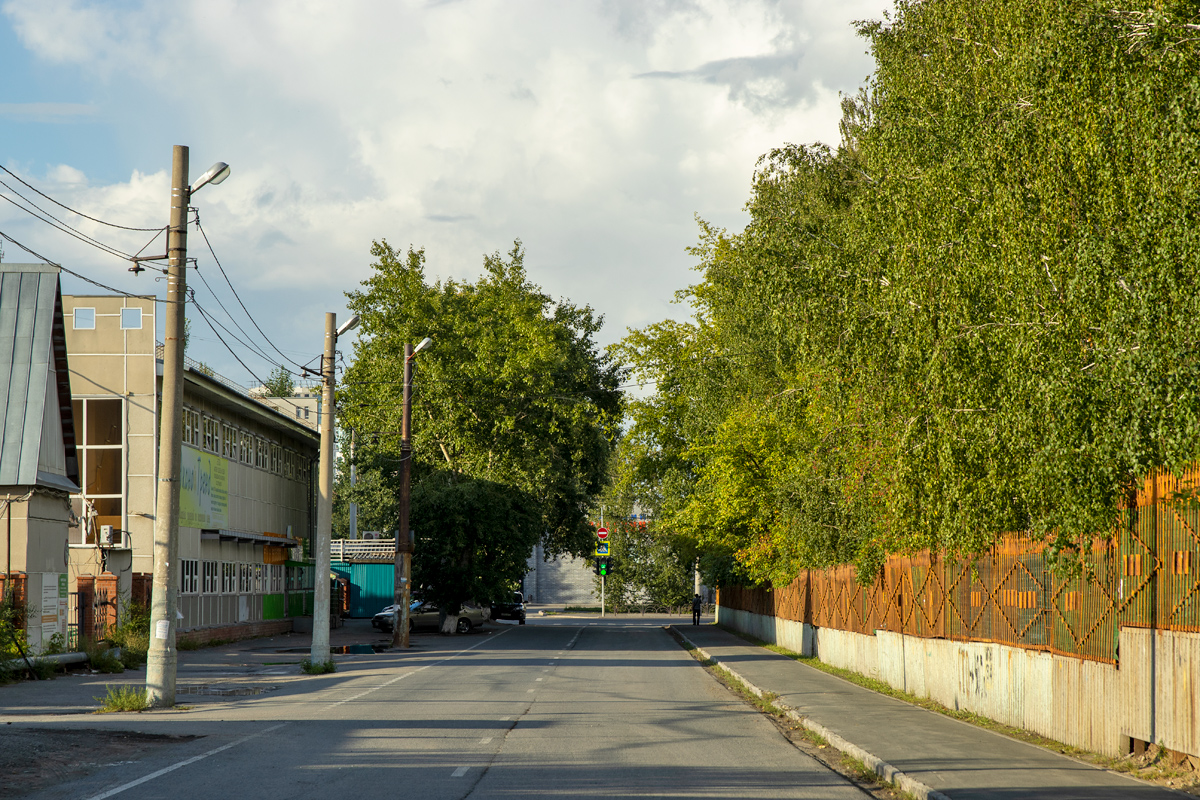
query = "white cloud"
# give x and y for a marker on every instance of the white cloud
(591, 130)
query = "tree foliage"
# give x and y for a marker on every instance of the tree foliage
(279, 383)
(978, 314)
(514, 410)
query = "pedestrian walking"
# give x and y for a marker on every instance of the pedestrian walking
(696, 605)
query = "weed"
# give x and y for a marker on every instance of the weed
(43, 668)
(309, 667)
(123, 698)
(56, 645)
(582, 610)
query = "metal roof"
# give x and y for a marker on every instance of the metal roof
(33, 347)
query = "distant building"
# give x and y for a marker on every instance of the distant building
(247, 485)
(304, 405)
(39, 469)
(565, 579)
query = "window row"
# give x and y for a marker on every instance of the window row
(211, 434)
(228, 577)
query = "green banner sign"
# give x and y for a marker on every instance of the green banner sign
(203, 490)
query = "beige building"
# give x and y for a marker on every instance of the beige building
(38, 466)
(247, 484)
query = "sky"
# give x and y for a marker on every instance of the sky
(595, 131)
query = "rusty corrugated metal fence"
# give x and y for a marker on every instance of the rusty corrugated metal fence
(1146, 575)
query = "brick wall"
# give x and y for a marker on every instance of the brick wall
(247, 630)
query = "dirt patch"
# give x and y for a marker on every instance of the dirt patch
(33, 759)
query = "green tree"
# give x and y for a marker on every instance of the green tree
(977, 314)
(514, 393)
(279, 383)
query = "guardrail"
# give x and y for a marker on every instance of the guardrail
(362, 550)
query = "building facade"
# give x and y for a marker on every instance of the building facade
(38, 465)
(247, 499)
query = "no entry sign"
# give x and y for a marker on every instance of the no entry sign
(602, 533)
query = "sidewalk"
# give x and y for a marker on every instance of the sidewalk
(957, 759)
(226, 668)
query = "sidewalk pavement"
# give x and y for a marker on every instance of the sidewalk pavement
(941, 756)
(210, 674)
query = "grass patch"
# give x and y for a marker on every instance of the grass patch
(310, 667)
(132, 635)
(123, 698)
(582, 610)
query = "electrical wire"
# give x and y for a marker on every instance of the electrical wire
(249, 316)
(59, 225)
(68, 208)
(81, 277)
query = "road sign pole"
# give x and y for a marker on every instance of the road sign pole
(602, 579)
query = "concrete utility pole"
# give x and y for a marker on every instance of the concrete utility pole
(404, 543)
(319, 652)
(164, 600)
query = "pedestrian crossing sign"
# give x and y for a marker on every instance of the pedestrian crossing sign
(602, 549)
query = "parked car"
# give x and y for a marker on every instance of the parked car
(426, 615)
(513, 609)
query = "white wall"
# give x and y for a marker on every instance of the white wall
(1152, 696)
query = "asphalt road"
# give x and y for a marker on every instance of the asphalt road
(556, 708)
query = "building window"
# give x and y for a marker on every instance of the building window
(276, 578)
(85, 319)
(228, 577)
(191, 428)
(100, 437)
(131, 319)
(210, 577)
(229, 445)
(276, 451)
(259, 583)
(263, 460)
(191, 575)
(211, 435)
(245, 578)
(247, 449)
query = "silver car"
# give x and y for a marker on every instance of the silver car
(426, 616)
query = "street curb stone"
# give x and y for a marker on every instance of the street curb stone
(880, 767)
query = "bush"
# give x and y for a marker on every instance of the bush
(43, 669)
(132, 635)
(102, 658)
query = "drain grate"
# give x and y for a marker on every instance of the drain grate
(218, 690)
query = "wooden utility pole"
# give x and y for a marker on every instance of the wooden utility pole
(319, 651)
(405, 543)
(162, 656)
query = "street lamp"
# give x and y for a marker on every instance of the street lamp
(162, 657)
(319, 647)
(404, 540)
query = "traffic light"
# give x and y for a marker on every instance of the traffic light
(605, 565)
(596, 565)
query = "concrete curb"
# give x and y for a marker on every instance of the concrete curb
(880, 767)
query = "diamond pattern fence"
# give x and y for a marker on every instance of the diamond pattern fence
(1147, 574)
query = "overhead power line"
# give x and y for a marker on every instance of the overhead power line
(249, 316)
(68, 208)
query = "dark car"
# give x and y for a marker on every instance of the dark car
(514, 609)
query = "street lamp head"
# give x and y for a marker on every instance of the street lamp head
(216, 173)
(424, 343)
(348, 325)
